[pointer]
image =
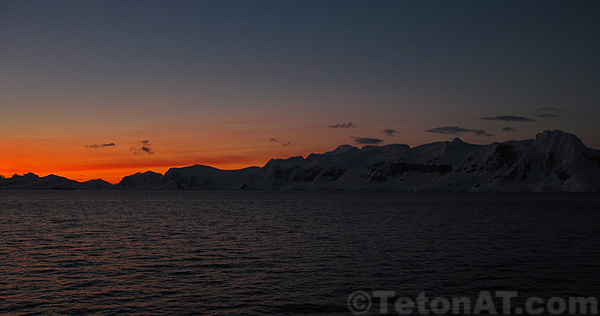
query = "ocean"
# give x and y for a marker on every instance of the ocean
(295, 253)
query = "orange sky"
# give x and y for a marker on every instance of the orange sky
(213, 82)
(231, 144)
(227, 145)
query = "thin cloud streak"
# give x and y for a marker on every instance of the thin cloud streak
(509, 129)
(284, 144)
(455, 130)
(143, 149)
(367, 140)
(95, 146)
(343, 125)
(508, 118)
(390, 132)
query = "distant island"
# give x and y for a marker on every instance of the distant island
(554, 161)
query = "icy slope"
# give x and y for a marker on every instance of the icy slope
(553, 161)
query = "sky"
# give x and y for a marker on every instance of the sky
(104, 89)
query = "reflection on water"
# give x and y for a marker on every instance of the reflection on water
(214, 253)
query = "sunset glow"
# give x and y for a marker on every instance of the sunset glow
(107, 89)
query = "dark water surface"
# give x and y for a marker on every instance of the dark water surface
(285, 253)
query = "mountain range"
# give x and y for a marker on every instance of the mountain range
(554, 161)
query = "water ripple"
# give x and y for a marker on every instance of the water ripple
(296, 253)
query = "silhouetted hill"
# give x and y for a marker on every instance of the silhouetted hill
(31, 181)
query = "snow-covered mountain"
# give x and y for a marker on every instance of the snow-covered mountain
(553, 161)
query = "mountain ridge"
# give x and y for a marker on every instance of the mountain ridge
(554, 161)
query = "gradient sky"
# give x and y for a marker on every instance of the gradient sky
(93, 89)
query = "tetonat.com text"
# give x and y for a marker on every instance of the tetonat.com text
(486, 303)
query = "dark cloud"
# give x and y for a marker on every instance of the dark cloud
(390, 132)
(508, 118)
(367, 140)
(96, 146)
(455, 130)
(509, 129)
(343, 125)
(275, 140)
(143, 149)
